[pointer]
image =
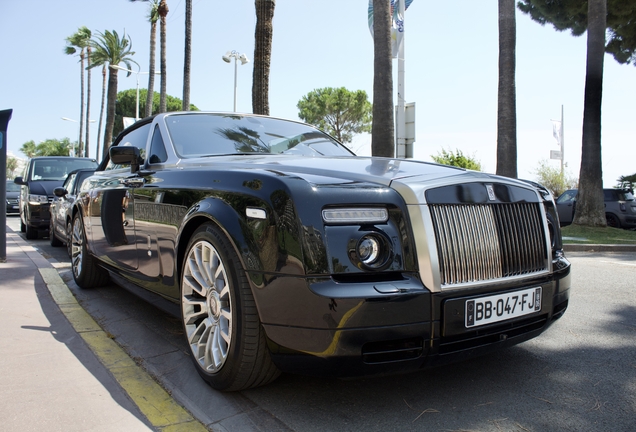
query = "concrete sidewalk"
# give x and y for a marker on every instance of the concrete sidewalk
(60, 370)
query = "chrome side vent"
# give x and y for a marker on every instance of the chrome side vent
(481, 242)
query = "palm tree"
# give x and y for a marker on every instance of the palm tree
(101, 111)
(77, 44)
(382, 130)
(262, 56)
(163, 12)
(589, 204)
(110, 49)
(153, 17)
(187, 55)
(506, 110)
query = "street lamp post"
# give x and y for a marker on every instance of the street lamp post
(138, 73)
(227, 58)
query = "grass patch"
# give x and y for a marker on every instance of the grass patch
(576, 234)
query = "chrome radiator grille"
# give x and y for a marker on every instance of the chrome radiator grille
(480, 242)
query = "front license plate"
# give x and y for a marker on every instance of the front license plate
(500, 307)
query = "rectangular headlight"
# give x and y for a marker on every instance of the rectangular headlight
(38, 199)
(356, 215)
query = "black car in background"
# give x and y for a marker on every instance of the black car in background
(13, 197)
(283, 251)
(62, 207)
(42, 174)
(620, 207)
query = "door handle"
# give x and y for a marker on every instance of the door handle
(133, 182)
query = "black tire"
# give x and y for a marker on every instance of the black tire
(55, 242)
(220, 320)
(22, 225)
(31, 233)
(69, 243)
(612, 220)
(86, 272)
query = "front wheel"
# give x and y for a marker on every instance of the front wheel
(69, 237)
(55, 242)
(612, 220)
(220, 320)
(86, 272)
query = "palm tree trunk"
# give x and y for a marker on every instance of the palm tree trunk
(163, 12)
(101, 111)
(589, 205)
(262, 55)
(81, 119)
(506, 110)
(382, 130)
(110, 110)
(187, 54)
(151, 69)
(88, 103)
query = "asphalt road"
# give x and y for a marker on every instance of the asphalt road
(578, 376)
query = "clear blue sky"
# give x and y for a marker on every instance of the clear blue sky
(451, 71)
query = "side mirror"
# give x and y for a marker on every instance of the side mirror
(126, 155)
(59, 191)
(20, 181)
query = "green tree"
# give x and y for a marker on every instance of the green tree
(78, 44)
(338, 111)
(28, 148)
(622, 33)
(507, 99)
(383, 129)
(49, 147)
(153, 17)
(262, 55)
(578, 17)
(110, 49)
(627, 181)
(553, 179)
(127, 105)
(572, 15)
(12, 165)
(458, 159)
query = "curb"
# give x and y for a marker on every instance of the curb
(154, 402)
(161, 410)
(576, 247)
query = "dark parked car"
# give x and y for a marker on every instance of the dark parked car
(620, 207)
(12, 197)
(285, 252)
(62, 207)
(43, 174)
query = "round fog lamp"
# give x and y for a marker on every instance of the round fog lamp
(369, 250)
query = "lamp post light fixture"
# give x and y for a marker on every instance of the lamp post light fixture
(75, 121)
(138, 73)
(227, 58)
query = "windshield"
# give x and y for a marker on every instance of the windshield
(58, 168)
(12, 187)
(222, 134)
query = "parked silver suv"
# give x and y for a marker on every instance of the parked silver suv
(620, 207)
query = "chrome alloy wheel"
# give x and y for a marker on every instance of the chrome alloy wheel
(77, 241)
(207, 306)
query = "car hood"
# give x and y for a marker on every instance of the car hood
(400, 174)
(44, 187)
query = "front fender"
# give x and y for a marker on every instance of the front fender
(255, 240)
